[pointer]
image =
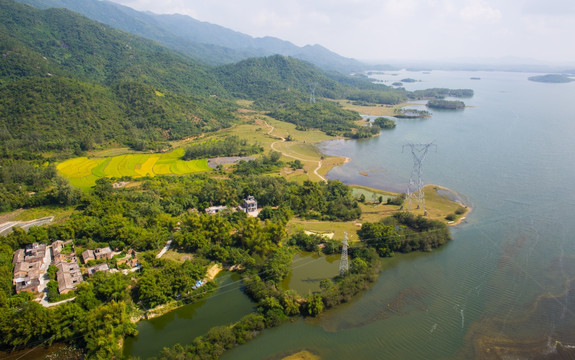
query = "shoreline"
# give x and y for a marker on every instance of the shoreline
(459, 200)
(163, 309)
(467, 206)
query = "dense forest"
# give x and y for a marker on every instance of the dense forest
(276, 81)
(229, 146)
(440, 93)
(68, 84)
(329, 117)
(445, 104)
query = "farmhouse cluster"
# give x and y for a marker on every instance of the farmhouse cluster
(31, 265)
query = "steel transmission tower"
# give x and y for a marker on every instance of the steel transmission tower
(344, 264)
(312, 87)
(415, 188)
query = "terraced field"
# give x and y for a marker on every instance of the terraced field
(83, 172)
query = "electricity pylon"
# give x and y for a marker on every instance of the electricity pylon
(312, 87)
(415, 188)
(344, 264)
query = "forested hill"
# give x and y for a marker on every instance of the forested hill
(68, 84)
(278, 80)
(91, 51)
(209, 43)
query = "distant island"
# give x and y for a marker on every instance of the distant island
(551, 78)
(402, 113)
(475, 78)
(408, 80)
(397, 83)
(445, 104)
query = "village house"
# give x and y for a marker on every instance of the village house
(100, 267)
(63, 251)
(68, 274)
(249, 206)
(30, 265)
(96, 254)
(88, 255)
(130, 259)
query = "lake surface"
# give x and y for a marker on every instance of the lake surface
(227, 305)
(504, 287)
(308, 269)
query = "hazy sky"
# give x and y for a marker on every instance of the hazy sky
(398, 29)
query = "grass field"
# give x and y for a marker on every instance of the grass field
(83, 172)
(438, 206)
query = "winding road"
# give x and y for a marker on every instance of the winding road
(319, 164)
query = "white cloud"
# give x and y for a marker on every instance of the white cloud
(479, 11)
(395, 28)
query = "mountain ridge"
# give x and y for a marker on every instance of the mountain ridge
(209, 43)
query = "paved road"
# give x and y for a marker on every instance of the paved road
(7, 227)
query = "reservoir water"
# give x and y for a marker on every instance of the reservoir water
(226, 305)
(503, 288)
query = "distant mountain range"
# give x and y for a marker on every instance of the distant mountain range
(209, 43)
(70, 84)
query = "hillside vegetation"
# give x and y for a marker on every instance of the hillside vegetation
(209, 43)
(68, 84)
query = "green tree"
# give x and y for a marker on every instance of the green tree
(314, 305)
(384, 238)
(278, 265)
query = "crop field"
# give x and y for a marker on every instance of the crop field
(83, 172)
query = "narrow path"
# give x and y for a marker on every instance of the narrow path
(319, 164)
(163, 251)
(44, 302)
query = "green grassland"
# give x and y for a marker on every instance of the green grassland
(83, 172)
(438, 207)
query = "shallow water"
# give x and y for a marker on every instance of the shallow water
(227, 305)
(504, 286)
(308, 269)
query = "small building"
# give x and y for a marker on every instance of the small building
(27, 283)
(96, 254)
(129, 260)
(60, 246)
(30, 265)
(63, 251)
(103, 253)
(69, 276)
(88, 255)
(215, 209)
(100, 267)
(249, 205)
